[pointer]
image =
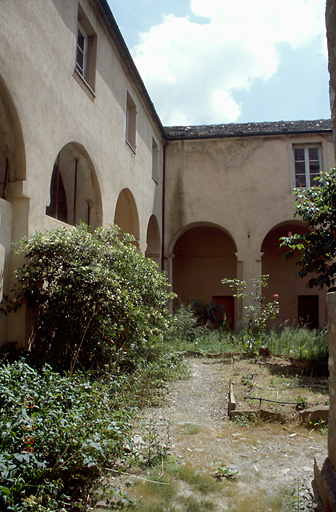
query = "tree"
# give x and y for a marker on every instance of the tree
(317, 208)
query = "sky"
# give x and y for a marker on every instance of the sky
(229, 61)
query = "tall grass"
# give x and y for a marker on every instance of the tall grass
(299, 343)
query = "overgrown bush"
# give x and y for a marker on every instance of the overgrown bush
(257, 313)
(184, 326)
(56, 434)
(96, 300)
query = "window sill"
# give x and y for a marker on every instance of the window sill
(130, 146)
(83, 83)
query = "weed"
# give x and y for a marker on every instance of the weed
(225, 472)
(301, 403)
(320, 425)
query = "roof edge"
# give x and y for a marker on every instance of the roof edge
(117, 36)
(247, 129)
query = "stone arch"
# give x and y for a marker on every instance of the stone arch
(12, 149)
(297, 302)
(126, 215)
(203, 254)
(74, 189)
(153, 240)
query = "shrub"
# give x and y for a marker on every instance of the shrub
(96, 300)
(56, 433)
(183, 326)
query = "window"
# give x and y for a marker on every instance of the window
(81, 55)
(307, 165)
(155, 161)
(130, 121)
(86, 51)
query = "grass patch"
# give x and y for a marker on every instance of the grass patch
(191, 504)
(201, 482)
(189, 429)
(299, 343)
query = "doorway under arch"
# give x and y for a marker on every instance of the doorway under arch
(126, 215)
(12, 151)
(202, 256)
(153, 248)
(298, 304)
(74, 190)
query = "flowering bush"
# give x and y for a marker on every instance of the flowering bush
(96, 300)
(258, 312)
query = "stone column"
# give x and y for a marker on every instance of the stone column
(331, 298)
(325, 468)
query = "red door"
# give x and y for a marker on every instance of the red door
(227, 303)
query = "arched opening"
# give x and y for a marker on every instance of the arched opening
(153, 240)
(126, 214)
(74, 190)
(298, 304)
(203, 256)
(12, 159)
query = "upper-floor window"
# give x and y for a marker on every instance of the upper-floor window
(155, 160)
(307, 165)
(86, 51)
(130, 121)
(81, 55)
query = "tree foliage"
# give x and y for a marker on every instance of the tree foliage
(316, 206)
(96, 300)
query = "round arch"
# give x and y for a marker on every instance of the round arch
(74, 189)
(153, 240)
(298, 304)
(12, 149)
(204, 254)
(126, 214)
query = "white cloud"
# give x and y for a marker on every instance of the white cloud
(193, 68)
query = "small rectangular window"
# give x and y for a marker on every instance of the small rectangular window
(86, 51)
(81, 55)
(155, 161)
(130, 121)
(307, 165)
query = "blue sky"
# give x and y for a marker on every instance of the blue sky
(218, 61)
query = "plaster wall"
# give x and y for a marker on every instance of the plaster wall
(244, 186)
(55, 106)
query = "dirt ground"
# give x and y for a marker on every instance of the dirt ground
(272, 461)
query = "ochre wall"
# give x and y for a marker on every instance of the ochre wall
(243, 186)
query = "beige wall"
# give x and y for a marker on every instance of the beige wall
(243, 186)
(53, 107)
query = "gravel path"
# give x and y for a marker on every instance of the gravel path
(271, 459)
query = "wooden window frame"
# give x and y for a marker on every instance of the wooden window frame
(307, 178)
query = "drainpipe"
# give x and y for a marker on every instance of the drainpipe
(4, 193)
(163, 205)
(75, 193)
